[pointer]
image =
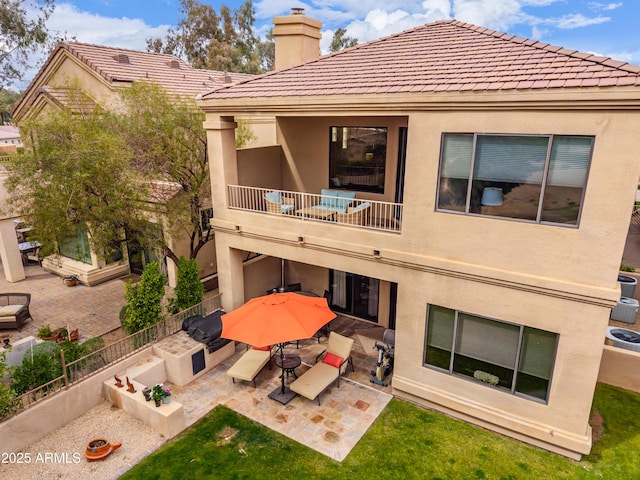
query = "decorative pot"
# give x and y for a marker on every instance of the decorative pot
(147, 398)
(166, 399)
(70, 282)
(158, 402)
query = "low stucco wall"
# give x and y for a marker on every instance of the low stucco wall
(34, 423)
(621, 368)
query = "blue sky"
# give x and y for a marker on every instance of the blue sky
(601, 27)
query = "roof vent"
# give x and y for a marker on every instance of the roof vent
(174, 64)
(227, 78)
(297, 11)
(122, 58)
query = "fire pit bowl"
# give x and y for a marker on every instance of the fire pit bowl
(99, 448)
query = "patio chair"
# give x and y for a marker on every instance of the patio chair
(14, 309)
(336, 359)
(250, 364)
(276, 203)
(355, 215)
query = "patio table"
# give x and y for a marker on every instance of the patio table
(319, 213)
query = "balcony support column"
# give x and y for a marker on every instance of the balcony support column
(223, 163)
(230, 273)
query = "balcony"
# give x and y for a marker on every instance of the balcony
(308, 207)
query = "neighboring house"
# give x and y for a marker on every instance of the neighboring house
(493, 177)
(102, 72)
(9, 135)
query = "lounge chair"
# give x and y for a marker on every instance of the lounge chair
(334, 363)
(249, 365)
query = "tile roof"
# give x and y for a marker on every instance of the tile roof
(76, 102)
(445, 56)
(122, 65)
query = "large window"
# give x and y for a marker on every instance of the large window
(511, 357)
(357, 158)
(538, 178)
(76, 245)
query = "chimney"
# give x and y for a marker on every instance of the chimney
(297, 38)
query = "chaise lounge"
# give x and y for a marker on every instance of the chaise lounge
(318, 378)
(250, 364)
(14, 309)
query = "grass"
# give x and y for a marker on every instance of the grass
(405, 442)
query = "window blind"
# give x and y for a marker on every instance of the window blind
(456, 155)
(487, 340)
(510, 159)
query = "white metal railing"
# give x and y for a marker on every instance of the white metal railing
(337, 210)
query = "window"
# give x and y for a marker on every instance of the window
(512, 357)
(535, 178)
(357, 158)
(76, 245)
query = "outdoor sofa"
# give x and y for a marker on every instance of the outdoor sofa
(14, 309)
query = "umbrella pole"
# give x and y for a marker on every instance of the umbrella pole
(282, 363)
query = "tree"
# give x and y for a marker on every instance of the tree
(169, 143)
(21, 34)
(213, 41)
(144, 300)
(189, 290)
(340, 40)
(74, 175)
(7, 99)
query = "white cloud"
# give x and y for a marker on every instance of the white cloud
(597, 6)
(91, 28)
(576, 20)
(494, 14)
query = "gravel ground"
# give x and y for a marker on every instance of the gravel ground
(61, 453)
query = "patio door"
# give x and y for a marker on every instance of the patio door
(355, 295)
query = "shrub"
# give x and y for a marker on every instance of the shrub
(144, 307)
(93, 344)
(40, 365)
(189, 290)
(627, 268)
(7, 405)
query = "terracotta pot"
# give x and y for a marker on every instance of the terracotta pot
(70, 282)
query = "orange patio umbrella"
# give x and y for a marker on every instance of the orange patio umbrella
(276, 318)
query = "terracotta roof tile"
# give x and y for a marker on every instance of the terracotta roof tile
(440, 56)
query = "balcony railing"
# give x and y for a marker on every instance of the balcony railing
(336, 210)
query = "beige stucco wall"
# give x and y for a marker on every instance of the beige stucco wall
(560, 279)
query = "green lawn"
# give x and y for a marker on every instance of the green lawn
(405, 442)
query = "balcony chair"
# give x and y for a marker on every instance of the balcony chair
(355, 215)
(277, 203)
(250, 364)
(336, 359)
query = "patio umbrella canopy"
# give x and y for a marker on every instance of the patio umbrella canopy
(276, 318)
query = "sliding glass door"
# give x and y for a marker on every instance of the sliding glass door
(355, 294)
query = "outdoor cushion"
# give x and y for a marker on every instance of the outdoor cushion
(333, 360)
(336, 200)
(362, 206)
(274, 197)
(315, 380)
(9, 310)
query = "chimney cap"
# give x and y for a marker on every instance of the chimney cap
(297, 11)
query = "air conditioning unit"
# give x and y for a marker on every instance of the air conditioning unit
(628, 285)
(626, 310)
